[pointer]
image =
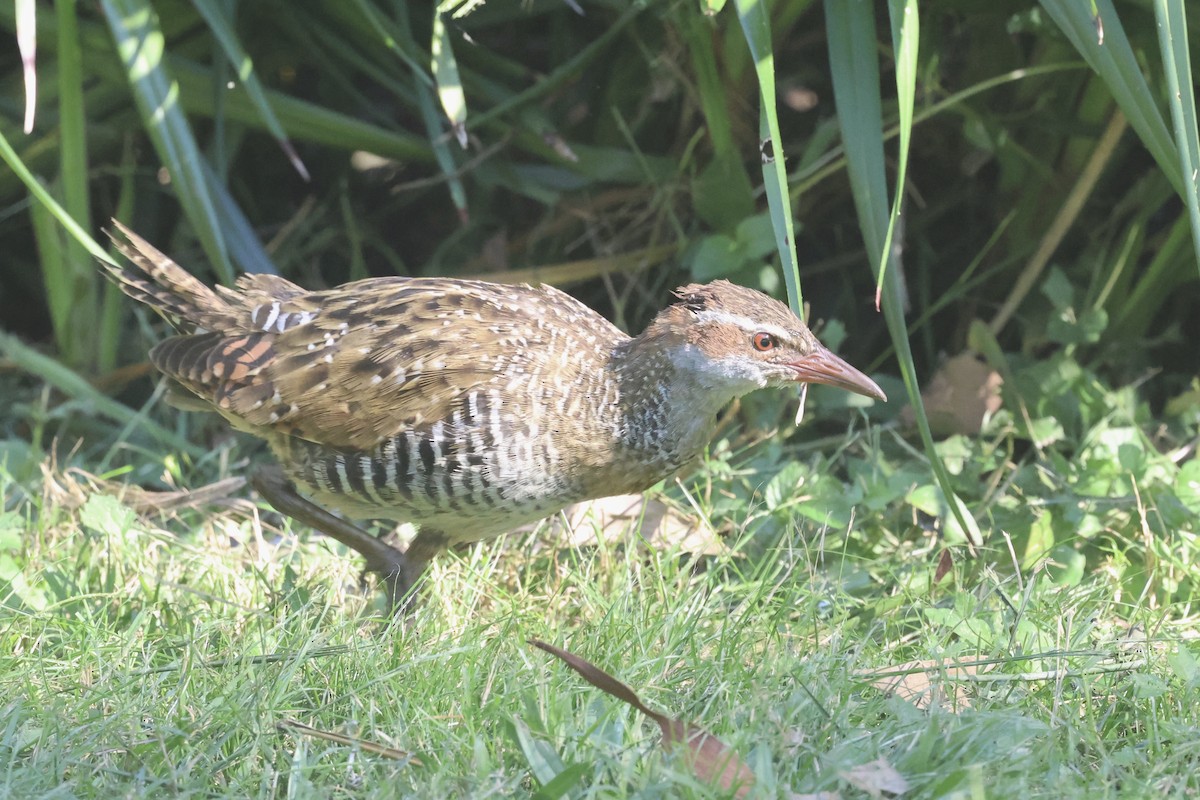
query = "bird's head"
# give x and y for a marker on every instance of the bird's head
(734, 340)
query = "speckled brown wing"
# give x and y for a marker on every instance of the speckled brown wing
(350, 366)
(357, 364)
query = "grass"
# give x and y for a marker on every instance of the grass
(158, 654)
(150, 655)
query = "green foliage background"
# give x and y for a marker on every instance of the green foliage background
(1047, 219)
(631, 129)
(1014, 182)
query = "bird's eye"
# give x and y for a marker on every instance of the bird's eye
(763, 342)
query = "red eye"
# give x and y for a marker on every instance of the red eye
(763, 342)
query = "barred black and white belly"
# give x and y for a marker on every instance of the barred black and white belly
(476, 475)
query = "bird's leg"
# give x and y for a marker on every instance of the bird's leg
(399, 570)
(420, 552)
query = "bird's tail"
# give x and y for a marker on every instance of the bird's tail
(163, 285)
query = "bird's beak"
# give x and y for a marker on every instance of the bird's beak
(822, 366)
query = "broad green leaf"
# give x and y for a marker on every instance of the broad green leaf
(1147, 686)
(1068, 328)
(399, 39)
(1040, 542)
(300, 119)
(1187, 485)
(562, 783)
(1185, 665)
(721, 193)
(756, 235)
(1066, 566)
(12, 528)
(785, 485)
(1045, 431)
(716, 256)
(106, 514)
(1058, 289)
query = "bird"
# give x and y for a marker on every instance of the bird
(465, 407)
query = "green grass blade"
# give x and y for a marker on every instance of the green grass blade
(9, 156)
(398, 44)
(853, 62)
(756, 25)
(722, 194)
(567, 71)
(214, 17)
(440, 145)
(1114, 61)
(139, 39)
(449, 84)
(906, 34)
(349, 67)
(26, 25)
(812, 173)
(454, 103)
(1135, 312)
(58, 279)
(74, 385)
(239, 235)
(855, 72)
(400, 40)
(112, 305)
(301, 119)
(85, 281)
(1172, 37)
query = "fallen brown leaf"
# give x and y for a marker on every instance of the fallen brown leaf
(649, 519)
(925, 684)
(711, 759)
(944, 566)
(961, 394)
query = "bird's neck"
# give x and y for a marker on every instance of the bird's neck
(668, 411)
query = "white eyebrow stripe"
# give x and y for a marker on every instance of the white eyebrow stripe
(745, 323)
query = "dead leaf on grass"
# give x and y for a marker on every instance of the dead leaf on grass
(925, 684)
(963, 392)
(710, 758)
(877, 778)
(650, 519)
(944, 566)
